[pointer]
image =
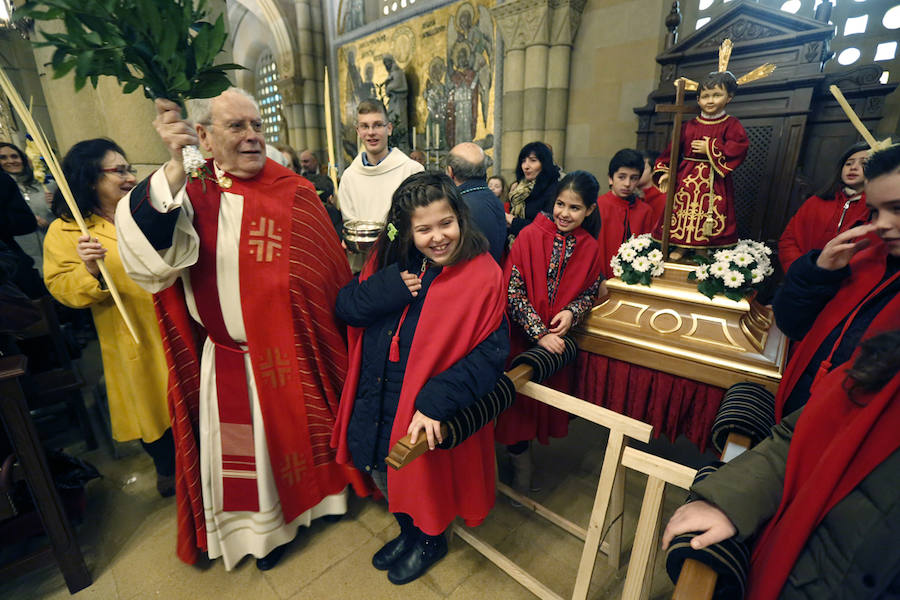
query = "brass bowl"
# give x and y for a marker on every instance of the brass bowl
(360, 236)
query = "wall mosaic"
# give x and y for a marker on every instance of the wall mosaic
(435, 75)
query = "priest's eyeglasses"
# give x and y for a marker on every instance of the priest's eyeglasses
(365, 127)
(122, 171)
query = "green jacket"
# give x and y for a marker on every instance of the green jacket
(853, 554)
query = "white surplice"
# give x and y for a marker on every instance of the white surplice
(231, 535)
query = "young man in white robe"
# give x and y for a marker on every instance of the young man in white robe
(244, 260)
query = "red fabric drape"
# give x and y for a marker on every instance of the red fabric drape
(673, 405)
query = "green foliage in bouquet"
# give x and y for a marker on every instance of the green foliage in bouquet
(736, 272)
(165, 46)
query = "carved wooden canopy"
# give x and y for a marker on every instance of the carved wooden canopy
(795, 126)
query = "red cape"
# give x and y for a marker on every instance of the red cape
(295, 344)
(527, 418)
(464, 305)
(815, 223)
(614, 212)
(866, 271)
(837, 442)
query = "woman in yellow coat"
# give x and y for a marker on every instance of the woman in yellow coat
(136, 374)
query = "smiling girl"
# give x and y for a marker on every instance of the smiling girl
(554, 273)
(427, 337)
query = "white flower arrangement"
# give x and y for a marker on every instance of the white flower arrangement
(638, 260)
(733, 272)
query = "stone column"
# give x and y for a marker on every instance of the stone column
(289, 88)
(523, 25)
(565, 18)
(311, 66)
(538, 37)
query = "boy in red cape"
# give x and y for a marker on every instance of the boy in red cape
(427, 337)
(554, 273)
(846, 293)
(621, 213)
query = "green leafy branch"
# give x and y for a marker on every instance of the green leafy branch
(168, 47)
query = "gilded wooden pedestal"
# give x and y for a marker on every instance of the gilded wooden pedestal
(671, 327)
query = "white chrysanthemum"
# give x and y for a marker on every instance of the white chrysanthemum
(615, 262)
(757, 275)
(617, 270)
(627, 254)
(192, 160)
(641, 243)
(733, 279)
(702, 273)
(769, 270)
(719, 268)
(742, 259)
(641, 264)
(658, 271)
(723, 255)
(655, 255)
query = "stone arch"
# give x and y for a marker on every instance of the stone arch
(268, 12)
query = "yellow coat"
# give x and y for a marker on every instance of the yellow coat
(136, 375)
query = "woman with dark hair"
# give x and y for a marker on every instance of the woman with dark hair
(427, 337)
(136, 374)
(819, 496)
(535, 187)
(14, 162)
(837, 207)
(554, 274)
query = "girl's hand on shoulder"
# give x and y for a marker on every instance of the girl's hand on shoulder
(509, 219)
(552, 343)
(713, 525)
(562, 322)
(412, 281)
(90, 251)
(431, 427)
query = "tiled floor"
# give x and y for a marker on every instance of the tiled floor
(129, 542)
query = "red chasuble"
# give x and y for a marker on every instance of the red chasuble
(866, 271)
(703, 211)
(463, 306)
(291, 268)
(816, 222)
(527, 418)
(837, 442)
(619, 220)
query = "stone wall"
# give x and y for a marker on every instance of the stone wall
(613, 70)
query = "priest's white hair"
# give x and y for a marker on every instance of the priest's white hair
(200, 109)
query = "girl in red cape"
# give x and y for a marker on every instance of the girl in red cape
(427, 337)
(840, 206)
(554, 274)
(821, 491)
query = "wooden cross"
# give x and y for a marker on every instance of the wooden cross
(678, 109)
